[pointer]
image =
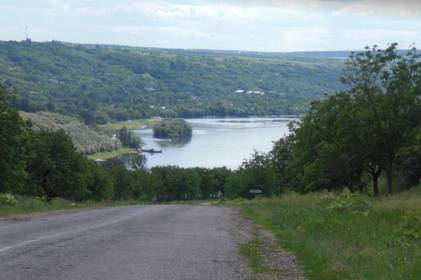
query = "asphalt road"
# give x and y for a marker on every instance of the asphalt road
(135, 242)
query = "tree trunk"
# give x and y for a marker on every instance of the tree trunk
(375, 174)
(376, 184)
(389, 175)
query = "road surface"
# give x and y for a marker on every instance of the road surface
(134, 242)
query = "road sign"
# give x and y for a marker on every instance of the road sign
(255, 191)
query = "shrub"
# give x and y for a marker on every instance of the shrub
(7, 199)
(411, 225)
(349, 202)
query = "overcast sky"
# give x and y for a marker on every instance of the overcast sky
(272, 25)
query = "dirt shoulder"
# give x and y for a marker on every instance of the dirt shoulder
(263, 253)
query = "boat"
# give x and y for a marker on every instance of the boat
(151, 151)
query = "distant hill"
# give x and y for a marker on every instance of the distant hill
(100, 82)
(84, 138)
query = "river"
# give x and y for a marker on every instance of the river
(217, 142)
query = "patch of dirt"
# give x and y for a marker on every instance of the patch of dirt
(278, 263)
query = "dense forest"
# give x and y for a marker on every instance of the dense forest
(100, 83)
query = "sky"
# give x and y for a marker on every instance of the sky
(265, 25)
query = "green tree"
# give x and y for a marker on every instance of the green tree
(55, 166)
(12, 147)
(99, 184)
(326, 152)
(386, 87)
(174, 129)
(128, 138)
(257, 172)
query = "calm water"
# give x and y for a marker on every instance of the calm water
(217, 142)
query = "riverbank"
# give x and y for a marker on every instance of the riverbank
(130, 124)
(346, 237)
(112, 154)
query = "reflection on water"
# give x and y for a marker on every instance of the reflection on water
(216, 142)
(169, 143)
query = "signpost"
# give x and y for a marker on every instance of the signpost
(255, 191)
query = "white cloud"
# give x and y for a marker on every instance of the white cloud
(404, 9)
(167, 30)
(60, 4)
(92, 11)
(167, 10)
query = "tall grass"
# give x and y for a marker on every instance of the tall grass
(339, 239)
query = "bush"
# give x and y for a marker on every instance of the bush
(7, 199)
(411, 225)
(349, 202)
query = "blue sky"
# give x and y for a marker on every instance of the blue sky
(271, 25)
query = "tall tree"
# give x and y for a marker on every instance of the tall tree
(386, 87)
(55, 166)
(12, 147)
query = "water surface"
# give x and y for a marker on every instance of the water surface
(217, 142)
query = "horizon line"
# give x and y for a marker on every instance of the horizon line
(192, 49)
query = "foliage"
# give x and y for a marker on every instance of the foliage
(174, 129)
(385, 87)
(128, 138)
(99, 83)
(410, 225)
(7, 199)
(86, 139)
(12, 139)
(372, 128)
(255, 173)
(56, 169)
(349, 202)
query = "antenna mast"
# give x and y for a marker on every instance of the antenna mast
(27, 34)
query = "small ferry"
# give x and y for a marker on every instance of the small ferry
(151, 151)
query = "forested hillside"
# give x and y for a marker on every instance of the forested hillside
(99, 83)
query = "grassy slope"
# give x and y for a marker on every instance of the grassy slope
(347, 245)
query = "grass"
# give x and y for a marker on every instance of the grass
(382, 241)
(132, 124)
(30, 205)
(112, 154)
(252, 252)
